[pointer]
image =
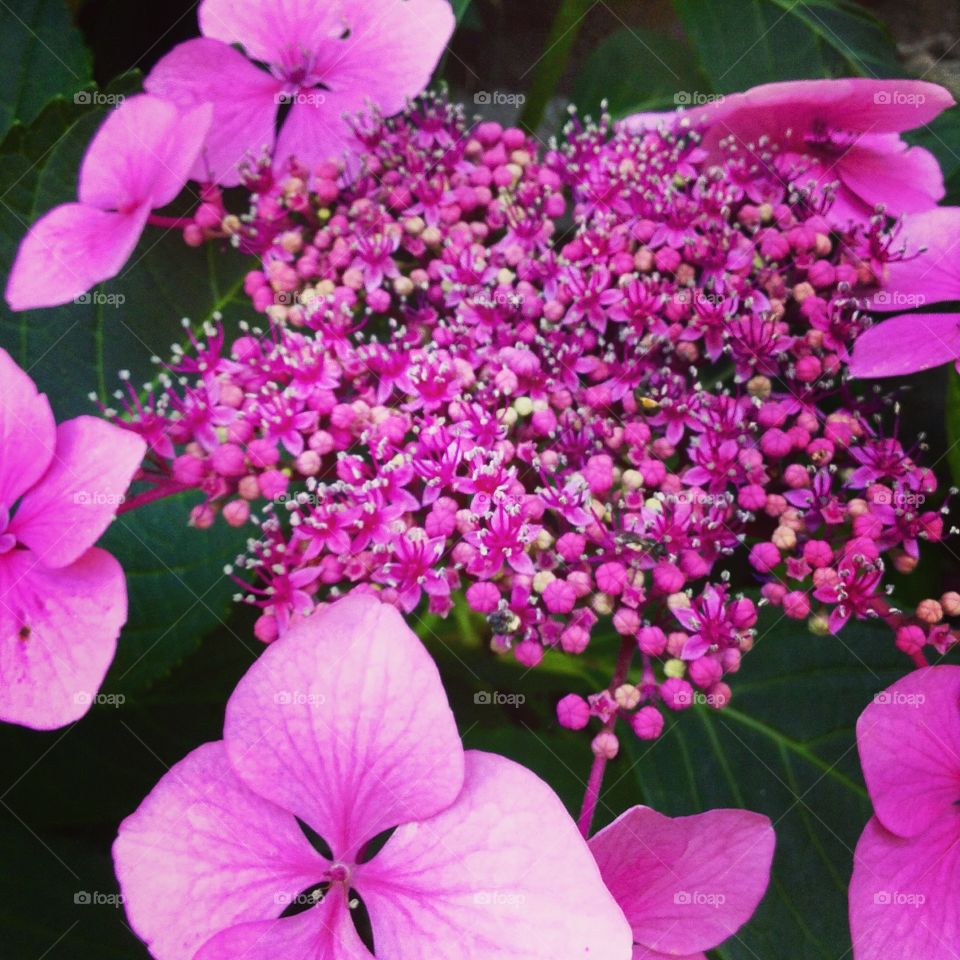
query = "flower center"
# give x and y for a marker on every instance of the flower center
(339, 873)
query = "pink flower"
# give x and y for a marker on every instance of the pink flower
(62, 601)
(906, 871)
(325, 59)
(685, 884)
(343, 723)
(139, 160)
(928, 272)
(837, 130)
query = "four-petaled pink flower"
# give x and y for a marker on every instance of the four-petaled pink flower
(685, 884)
(903, 894)
(343, 724)
(62, 601)
(845, 130)
(325, 58)
(139, 160)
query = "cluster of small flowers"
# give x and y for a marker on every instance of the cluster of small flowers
(584, 385)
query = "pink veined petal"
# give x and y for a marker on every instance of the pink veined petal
(685, 884)
(502, 873)
(929, 272)
(28, 433)
(277, 32)
(799, 106)
(903, 893)
(909, 743)
(58, 634)
(323, 932)
(244, 98)
(142, 154)
(883, 169)
(203, 852)
(905, 344)
(314, 131)
(344, 722)
(69, 250)
(75, 500)
(391, 51)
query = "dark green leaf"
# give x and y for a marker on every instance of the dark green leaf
(637, 70)
(742, 43)
(43, 56)
(177, 587)
(952, 414)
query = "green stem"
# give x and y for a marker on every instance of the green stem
(549, 68)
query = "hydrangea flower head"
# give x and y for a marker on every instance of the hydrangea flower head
(324, 58)
(138, 161)
(62, 600)
(906, 870)
(343, 724)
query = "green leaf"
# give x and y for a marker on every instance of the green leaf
(742, 43)
(177, 588)
(78, 348)
(785, 747)
(43, 56)
(667, 68)
(952, 414)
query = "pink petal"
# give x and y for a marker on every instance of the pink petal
(314, 131)
(27, 432)
(244, 100)
(58, 634)
(929, 271)
(903, 893)
(883, 169)
(275, 31)
(344, 722)
(69, 250)
(642, 953)
(502, 873)
(856, 103)
(203, 852)
(142, 154)
(686, 883)
(392, 50)
(75, 500)
(323, 932)
(909, 743)
(905, 344)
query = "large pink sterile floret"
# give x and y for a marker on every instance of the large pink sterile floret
(325, 58)
(344, 725)
(62, 601)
